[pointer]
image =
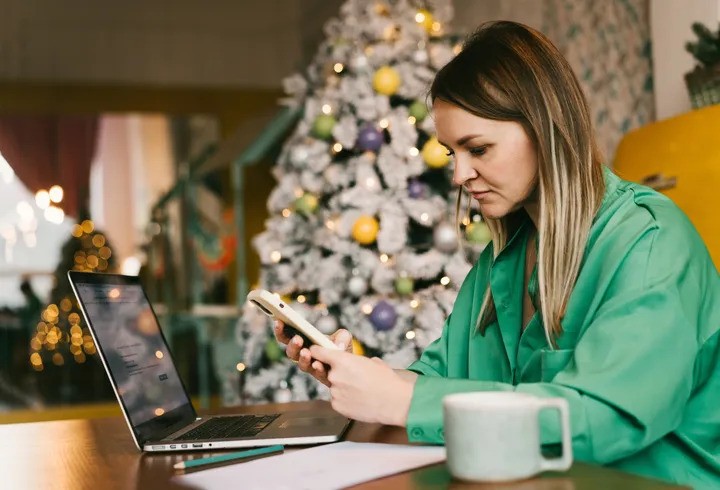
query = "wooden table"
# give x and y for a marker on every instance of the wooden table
(99, 454)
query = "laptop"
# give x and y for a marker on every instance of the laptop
(152, 396)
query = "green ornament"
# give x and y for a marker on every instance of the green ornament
(273, 351)
(418, 110)
(478, 233)
(306, 204)
(404, 285)
(323, 126)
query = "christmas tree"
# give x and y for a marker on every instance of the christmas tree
(62, 343)
(362, 231)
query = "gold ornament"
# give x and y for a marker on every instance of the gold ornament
(425, 19)
(386, 80)
(434, 154)
(365, 230)
(357, 348)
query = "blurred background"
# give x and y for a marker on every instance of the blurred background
(140, 137)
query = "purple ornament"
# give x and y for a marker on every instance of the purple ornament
(370, 139)
(416, 189)
(383, 316)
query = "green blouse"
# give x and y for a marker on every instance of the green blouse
(639, 357)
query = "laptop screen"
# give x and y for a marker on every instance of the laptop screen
(134, 349)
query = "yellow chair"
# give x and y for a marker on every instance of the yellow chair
(680, 157)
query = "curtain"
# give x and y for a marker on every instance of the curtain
(48, 150)
(608, 45)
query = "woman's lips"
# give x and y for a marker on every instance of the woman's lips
(479, 194)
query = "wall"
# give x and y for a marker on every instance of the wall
(183, 42)
(175, 42)
(670, 22)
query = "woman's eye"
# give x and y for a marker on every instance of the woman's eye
(478, 151)
(450, 153)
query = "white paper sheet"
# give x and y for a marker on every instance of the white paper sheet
(331, 466)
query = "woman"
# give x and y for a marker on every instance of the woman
(593, 289)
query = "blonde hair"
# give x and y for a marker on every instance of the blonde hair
(510, 72)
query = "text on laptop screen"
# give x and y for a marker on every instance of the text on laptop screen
(134, 350)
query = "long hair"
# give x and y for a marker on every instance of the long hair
(510, 72)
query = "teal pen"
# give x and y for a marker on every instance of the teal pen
(192, 463)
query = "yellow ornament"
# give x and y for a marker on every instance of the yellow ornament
(357, 348)
(365, 230)
(435, 154)
(425, 19)
(386, 80)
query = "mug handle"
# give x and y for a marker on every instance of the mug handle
(565, 461)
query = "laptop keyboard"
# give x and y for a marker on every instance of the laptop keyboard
(229, 427)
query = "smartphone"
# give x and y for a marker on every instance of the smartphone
(295, 324)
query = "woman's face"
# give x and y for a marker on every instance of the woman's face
(494, 160)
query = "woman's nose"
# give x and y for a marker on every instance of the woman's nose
(463, 172)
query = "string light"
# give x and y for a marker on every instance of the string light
(275, 256)
(412, 120)
(299, 192)
(159, 354)
(98, 240)
(87, 226)
(42, 199)
(330, 224)
(383, 123)
(436, 28)
(366, 308)
(286, 213)
(371, 183)
(301, 299)
(457, 48)
(326, 109)
(413, 152)
(337, 147)
(384, 258)
(159, 411)
(424, 217)
(56, 193)
(25, 210)
(445, 281)
(104, 253)
(414, 303)
(420, 17)
(54, 214)
(410, 334)
(240, 367)
(66, 305)
(465, 221)
(338, 67)
(92, 261)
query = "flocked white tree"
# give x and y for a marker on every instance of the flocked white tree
(362, 230)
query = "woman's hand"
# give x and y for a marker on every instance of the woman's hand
(365, 389)
(301, 354)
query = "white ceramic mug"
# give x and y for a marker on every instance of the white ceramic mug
(495, 436)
